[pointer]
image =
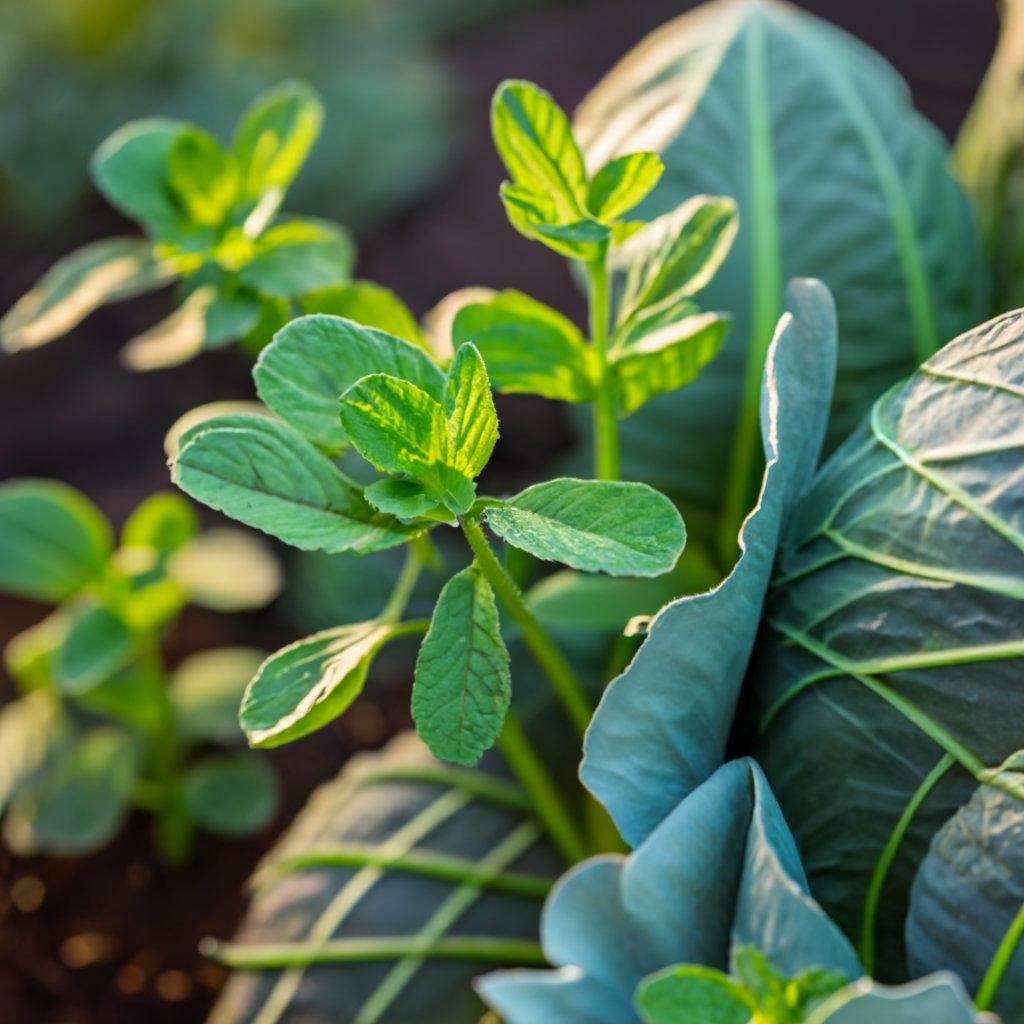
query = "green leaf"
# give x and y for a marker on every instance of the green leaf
(368, 304)
(204, 178)
(676, 255)
(406, 499)
(835, 176)
(28, 656)
(623, 183)
(895, 607)
(463, 684)
(311, 682)
(53, 540)
(701, 993)
(536, 217)
(129, 697)
(206, 692)
(163, 522)
(75, 286)
(275, 136)
(32, 731)
(666, 359)
(97, 645)
(472, 419)
(623, 529)
(527, 346)
(176, 339)
(298, 256)
(263, 474)
(395, 425)
(82, 802)
(536, 144)
(132, 169)
(232, 794)
(311, 362)
(227, 570)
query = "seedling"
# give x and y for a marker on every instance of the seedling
(211, 225)
(102, 726)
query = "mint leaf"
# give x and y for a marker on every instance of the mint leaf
(309, 683)
(231, 794)
(265, 475)
(275, 136)
(53, 540)
(535, 216)
(369, 304)
(694, 993)
(312, 361)
(676, 255)
(163, 522)
(131, 168)
(82, 802)
(396, 426)
(666, 359)
(472, 419)
(297, 256)
(206, 690)
(406, 499)
(78, 284)
(622, 529)
(97, 645)
(535, 141)
(623, 183)
(527, 346)
(463, 685)
(204, 178)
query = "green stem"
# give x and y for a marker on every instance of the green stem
(174, 828)
(606, 424)
(1000, 962)
(275, 956)
(548, 802)
(404, 585)
(885, 861)
(564, 681)
(427, 863)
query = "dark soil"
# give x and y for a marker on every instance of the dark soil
(111, 938)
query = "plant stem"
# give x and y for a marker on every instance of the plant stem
(404, 585)
(548, 802)
(174, 829)
(564, 682)
(1000, 962)
(606, 425)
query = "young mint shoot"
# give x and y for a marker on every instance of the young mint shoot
(429, 433)
(210, 216)
(658, 341)
(755, 991)
(102, 725)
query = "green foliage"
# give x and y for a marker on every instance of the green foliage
(101, 727)
(211, 218)
(835, 176)
(231, 795)
(756, 990)
(463, 684)
(53, 541)
(620, 529)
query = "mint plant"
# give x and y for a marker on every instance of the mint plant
(211, 220)
(658, 340)
(102, 725)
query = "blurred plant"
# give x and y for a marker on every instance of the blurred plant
(211, 222)
(989, 159)
(102, 725)
(79, 70)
